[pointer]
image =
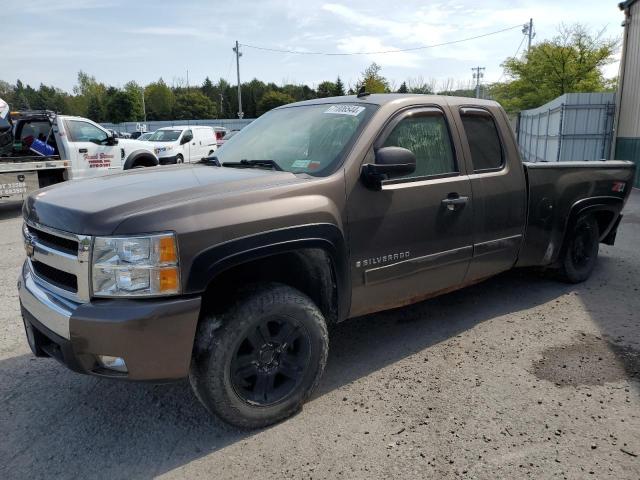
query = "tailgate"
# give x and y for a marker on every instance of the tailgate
(17, 186)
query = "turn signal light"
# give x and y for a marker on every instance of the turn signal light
(168, 253)
(168, 280)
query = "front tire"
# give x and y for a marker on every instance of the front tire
(581, 250)
(179, 159)
(256, 363)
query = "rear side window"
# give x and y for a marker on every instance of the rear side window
(484, 140)
(427, 136)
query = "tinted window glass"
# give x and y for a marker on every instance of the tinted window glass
(428, 138)
(85, 132)
(484, 141)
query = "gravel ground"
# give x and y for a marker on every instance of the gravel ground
(520, 376)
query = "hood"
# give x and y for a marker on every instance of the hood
(97, 206)
(131, 144)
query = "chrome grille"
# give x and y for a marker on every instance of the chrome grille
(59, 260)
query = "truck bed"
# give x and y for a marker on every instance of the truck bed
(557, 190)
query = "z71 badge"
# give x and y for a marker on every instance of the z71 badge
(391, 257)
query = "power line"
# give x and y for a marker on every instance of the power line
(516, 54)
(300, 52)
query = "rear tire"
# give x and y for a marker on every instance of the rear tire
(257, 362)
(581, 250)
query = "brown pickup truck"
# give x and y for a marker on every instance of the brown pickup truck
(230, 271)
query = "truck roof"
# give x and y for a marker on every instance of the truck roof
(384, 98)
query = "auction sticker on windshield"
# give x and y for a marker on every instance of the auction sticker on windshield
(353, 110)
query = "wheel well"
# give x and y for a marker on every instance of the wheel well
(603, 216)
(309, 270)
(140, 160)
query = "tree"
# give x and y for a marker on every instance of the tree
(159, 100)
(120, 106)
(571, 62)
(339, 88)
(372, 80)
(273, 99)
(326, 89)
(135, 92)
(95, 109)
(403, 88)
(193, 105)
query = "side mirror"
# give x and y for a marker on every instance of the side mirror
(111, 139)
(390, 162)
(186, 139)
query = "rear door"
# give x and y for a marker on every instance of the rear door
(499, 192)
(407, 241)
(89, 149)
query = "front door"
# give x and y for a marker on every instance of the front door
(90, 153)
(413, 237)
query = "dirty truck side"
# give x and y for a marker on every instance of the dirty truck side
(231, 271)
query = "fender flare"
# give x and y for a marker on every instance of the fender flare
(213, 261)
(610, 204)
(138, 154)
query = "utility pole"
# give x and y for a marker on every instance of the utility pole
(236, 49)
(477, 75)
(527, 29)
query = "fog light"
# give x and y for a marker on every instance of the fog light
(113, 363)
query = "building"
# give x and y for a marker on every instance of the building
(627, 123)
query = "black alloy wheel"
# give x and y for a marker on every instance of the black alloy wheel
(270, 361)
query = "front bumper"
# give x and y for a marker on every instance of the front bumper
(154, 337)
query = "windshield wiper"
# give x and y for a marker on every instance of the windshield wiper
(244, 163)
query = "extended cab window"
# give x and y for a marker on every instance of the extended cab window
(484, 140)
(85, 132)
(427, 136)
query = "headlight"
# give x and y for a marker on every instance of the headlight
(135, 266)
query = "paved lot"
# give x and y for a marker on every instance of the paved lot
(518, 377)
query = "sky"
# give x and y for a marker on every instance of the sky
(116, 41)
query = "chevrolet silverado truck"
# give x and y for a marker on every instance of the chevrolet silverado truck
(40, 148)
(230, 271)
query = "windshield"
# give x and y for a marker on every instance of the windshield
(307, 139)
(165, 136)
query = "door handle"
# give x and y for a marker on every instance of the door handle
(454, 202)
(193, 143)
(83, 150)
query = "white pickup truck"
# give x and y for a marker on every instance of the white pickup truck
(47, 148)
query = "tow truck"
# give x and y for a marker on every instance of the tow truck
(39, 148)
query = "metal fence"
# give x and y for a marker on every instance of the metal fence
(574, 126)
(228, 123)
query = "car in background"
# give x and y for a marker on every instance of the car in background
(182, 144)
(226, 137)
(145, 136)
(135, 135)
